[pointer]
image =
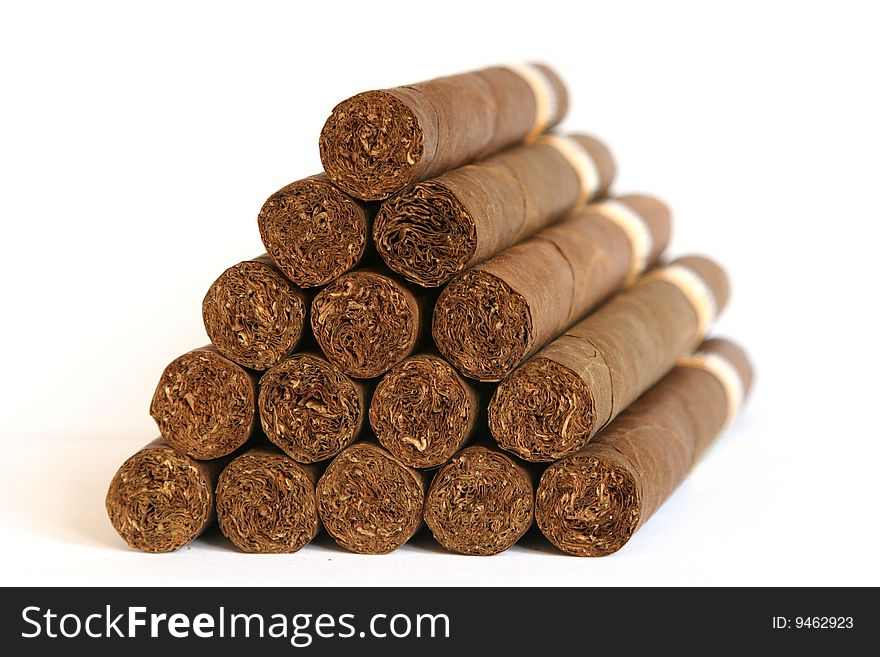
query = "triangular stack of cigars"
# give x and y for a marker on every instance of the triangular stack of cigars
(457, 324)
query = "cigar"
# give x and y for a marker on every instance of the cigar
(552, 405)
(205, 405)
(489, 319)
(367, 321)
(423, 412)
(160, 499)
(314, 231)
(266, 502)
(378, 142)
(253, 314)
(369, 501)
(590, 503)
(310, 409)
(442, 226)
(480, 502)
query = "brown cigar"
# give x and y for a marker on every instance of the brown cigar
(314, 231)
(266, 502)
(442, 226)
(423, 412)
(480, 502)
(160, 499)
(591, 503)
(367, 321)
(205, 405)
(551, 406)
(489, 319)
(369, 501)
(253, 314)
(378, 142)
(310, 409)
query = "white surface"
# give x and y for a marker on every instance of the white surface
(137, 145)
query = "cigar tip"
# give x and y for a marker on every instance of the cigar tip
(736, 355)
(712, 274)
(656, 214)
(559, 88)
(602, 157)
(647, 205)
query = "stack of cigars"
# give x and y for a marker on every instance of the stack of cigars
(458, 326)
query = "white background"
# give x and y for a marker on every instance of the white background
(137, 145)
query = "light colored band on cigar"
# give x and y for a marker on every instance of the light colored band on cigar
(546, 102)
(581, 161)
(727, 375)
(637, 232)
(694, 288)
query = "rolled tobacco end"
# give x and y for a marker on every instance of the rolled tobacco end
(160, 499)
(369, 501)
(591, 503)
(266, 502)
(310, 409)
(552, 405)
(205, 405)
(253, 314)
(480, 502)
(378, 142)
(423, 412)
(313, 231)
(492, 317)
(366, 322)
(442, 226)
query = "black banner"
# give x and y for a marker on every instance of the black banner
(394, 621)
